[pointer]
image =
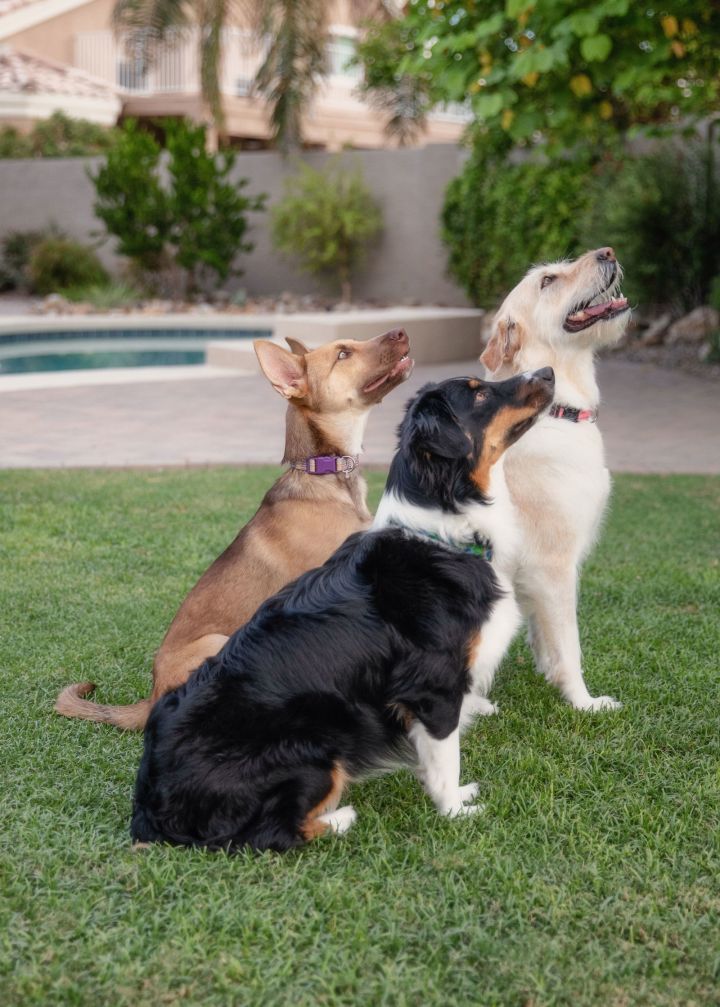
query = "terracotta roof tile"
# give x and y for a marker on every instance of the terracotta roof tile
(23, 73)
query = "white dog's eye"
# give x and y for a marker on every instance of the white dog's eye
(547, 280)
(344, 354)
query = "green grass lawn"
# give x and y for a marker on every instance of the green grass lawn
(593, 877)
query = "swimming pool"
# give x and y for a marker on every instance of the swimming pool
(31, 352)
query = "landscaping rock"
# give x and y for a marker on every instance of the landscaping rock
(694, 327)
(657, 330)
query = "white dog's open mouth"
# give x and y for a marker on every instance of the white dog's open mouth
(585, 315)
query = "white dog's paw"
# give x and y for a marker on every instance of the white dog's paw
(340, 820)
(463, 804)
(482, 707)
(469, 792)
(596, 703)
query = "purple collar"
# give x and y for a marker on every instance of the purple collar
(328, 465)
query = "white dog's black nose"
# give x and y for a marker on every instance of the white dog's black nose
(606, 254)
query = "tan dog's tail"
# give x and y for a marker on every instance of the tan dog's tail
(71, 703)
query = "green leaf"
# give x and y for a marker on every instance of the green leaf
(596, 48)
(488, 105)
(515, 7)
(584, 22)
(489, 26)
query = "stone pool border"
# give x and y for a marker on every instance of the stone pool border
(437, 335)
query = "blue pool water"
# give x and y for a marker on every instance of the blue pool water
(62, 351)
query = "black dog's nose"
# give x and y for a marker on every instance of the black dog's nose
(546, 374)
(606, 254)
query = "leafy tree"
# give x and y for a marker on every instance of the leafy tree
(131, 201)
(196, 219)
(401, 98)
(551, 70)
(664, 216)
(208, 212)
(498, 218)
(326, 219)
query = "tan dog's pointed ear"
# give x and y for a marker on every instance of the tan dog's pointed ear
(285, 371)
(503, 344)
(297, 346)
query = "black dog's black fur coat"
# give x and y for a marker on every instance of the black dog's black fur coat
(242, 752)
(327, 678)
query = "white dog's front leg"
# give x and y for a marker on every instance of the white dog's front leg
(556, 643)
(476, 706)
(439, 772)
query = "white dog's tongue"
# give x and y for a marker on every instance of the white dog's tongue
(600, 309)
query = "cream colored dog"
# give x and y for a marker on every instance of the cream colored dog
(559, 315)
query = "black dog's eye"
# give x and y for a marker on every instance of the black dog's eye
(481, 395)
(344, 354)
(547, 280)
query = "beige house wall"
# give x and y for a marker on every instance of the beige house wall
(55, 38)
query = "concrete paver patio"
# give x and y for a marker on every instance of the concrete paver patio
(653, 420)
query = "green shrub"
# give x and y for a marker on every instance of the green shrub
(15, 251)
(59, 263)
(499, 218)
(325, 219)
(131, 202)
(208, 210)
(195, 221)
(58, 136)
(104, 296)
(661, 212)
(714, 295)
(13, 143)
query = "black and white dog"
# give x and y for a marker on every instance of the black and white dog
(375, 659)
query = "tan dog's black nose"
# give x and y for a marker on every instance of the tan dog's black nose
(605, 255)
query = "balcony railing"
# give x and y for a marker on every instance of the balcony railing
(175, 66)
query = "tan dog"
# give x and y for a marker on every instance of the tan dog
(303, 518)
(558, 315)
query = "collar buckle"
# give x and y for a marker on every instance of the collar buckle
(327, 465)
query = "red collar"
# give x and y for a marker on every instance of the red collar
(572, 414)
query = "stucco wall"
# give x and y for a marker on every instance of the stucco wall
(407, 264)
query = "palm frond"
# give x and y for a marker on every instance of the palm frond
(214, 17)
(405, 108)
(294, 62)
(148, 25)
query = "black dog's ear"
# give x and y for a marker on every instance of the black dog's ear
(436, 429)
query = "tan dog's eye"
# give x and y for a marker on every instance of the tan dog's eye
(547, 280)
(344, 354)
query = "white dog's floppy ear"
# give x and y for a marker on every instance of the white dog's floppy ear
(503, 344)
(297, 346)
(284, 370)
